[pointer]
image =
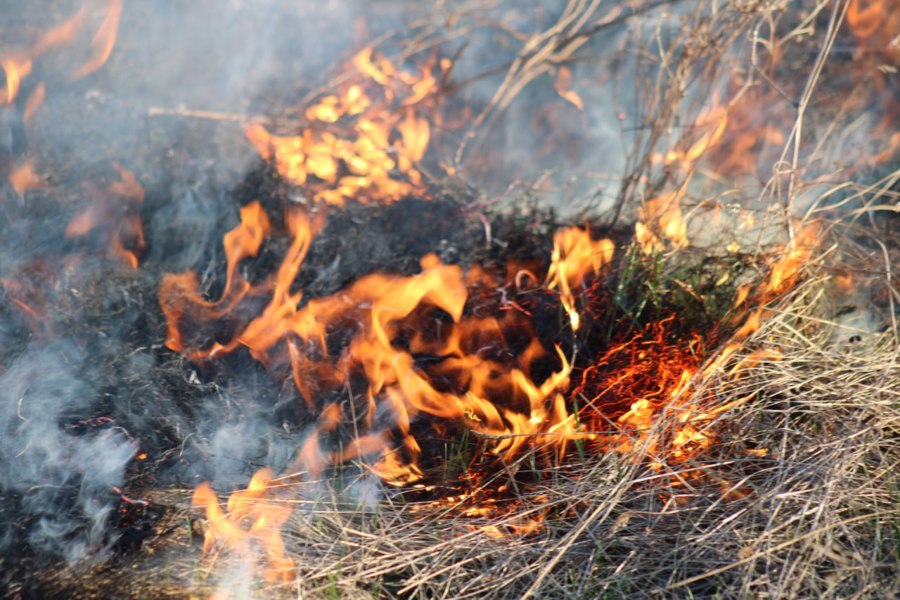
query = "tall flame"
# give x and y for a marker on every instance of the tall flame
(575, 256)
(15, 71)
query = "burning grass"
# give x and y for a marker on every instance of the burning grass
(455, 401)
(794, 498)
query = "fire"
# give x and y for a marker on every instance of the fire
(15, 71)
(711, 125)
(656, 372)
(575, 256)
(380, 308)
(373, 158)
(785, 270)
(742, 141)
(436, 350)
(114, 211)
(18, 65)
(563, 88)
(25, 177)
(661, 219)
(253, 517)
(241, 242)
(642, 380)
(103, 41)
(34, 102)
(62, 34)
(876, 22)
(411, 353)
(481, 389)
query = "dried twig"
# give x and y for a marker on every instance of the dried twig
(208, 115)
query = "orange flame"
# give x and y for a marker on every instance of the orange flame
(498, 400)
(712, 123)
(115, 212)
(34, 102)
(575, 255)
(253, 517)
(379, 307)
(661, 218)
(563, 88)
(18, 65)
(648, 374)
(675, 369)
(104, 40)
(651, 374)
(785, 269)
(59, 35)
(365, 142)
(15, 71)
(179, 292)
(874, 21)
(24, 177)
(375, 161)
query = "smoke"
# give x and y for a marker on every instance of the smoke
(63, 476)
(84, 381)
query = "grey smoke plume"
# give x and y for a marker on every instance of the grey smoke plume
(64, 477)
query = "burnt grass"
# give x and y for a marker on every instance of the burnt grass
(104, 319)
